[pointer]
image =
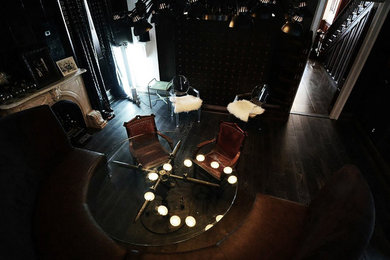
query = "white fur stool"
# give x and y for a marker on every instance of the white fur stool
(185, 103)
(243, 109)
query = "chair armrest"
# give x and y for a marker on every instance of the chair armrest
(154, 79)
(267, 105)
(202, 144)
(235, 159)
(196, 91)
(241, 96)
(205, 143)
(169, 140)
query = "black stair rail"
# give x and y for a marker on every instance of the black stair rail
(343, 38)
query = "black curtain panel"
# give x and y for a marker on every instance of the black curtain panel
(76, 19)
(101, 15)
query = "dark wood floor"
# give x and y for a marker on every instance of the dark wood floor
(315, 92)
(289, 160)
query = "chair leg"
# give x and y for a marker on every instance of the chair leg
(177, 119)
(199, 111)
(169, 105)
(150, 102)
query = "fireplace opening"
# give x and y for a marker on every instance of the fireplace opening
(71, 118)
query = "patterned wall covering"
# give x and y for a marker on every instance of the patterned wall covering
(221, 62)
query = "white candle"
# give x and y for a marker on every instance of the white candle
(200, 157)
(187, 162)
(190, 221)
(152, 176)
(214, 165)
(167, 167)
(149, 196)
(227, 170)
(175, 220)
(232, 179)
(162, 210)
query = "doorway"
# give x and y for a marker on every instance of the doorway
(317, 90)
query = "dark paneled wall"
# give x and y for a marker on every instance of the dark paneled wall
(221, 62)
(369, 100)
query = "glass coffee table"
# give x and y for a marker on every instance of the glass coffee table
(160, 206)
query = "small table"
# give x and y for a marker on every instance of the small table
(157, 86)
(119, 199)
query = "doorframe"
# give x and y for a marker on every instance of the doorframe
(361, 58)
(318, 17)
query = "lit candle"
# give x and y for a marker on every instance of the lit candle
(162, 210)
(187, 162)
(175, 220)
(214, 165)
(152, 176)
(149, 196)
(190, 221)
(200, 157)
(232, 179)
(167, 167)
(227, 170)
(208, 227)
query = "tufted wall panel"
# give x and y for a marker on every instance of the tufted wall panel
(221, 62)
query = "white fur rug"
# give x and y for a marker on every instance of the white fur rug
(186, 103)
(243, 109)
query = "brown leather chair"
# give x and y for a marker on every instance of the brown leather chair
(145, 146)
(227, 149)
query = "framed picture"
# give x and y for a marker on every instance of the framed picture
(67, 66)
(41, 66)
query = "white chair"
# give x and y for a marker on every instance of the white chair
(249, 105)
(183, 97)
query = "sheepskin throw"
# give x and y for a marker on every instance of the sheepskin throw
(186, 103)
(243, 109)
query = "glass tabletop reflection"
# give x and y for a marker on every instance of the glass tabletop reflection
(158, 206)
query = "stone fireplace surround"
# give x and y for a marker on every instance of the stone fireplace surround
(70, 88)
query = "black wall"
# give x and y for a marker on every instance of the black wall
(27, 25)
(222, 62)
(369, 100)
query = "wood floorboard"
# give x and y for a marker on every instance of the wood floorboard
(289, 160)
(315, 92)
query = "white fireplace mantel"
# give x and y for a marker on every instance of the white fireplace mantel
(70, 88)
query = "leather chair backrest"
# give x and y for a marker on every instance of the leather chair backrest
(340, 218)
(230, 138)
(141, 125)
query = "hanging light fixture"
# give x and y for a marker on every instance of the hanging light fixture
(160, 9)
(240, 13)
(242, 18)
(194, 9)
(266, 9)
(141, 25)
(294, 18)
(293, 27)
